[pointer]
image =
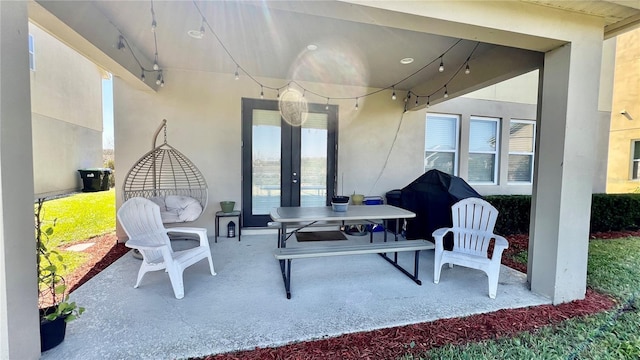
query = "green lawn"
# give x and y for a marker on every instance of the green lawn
(77, 218)
(80, 216)
(614, 268)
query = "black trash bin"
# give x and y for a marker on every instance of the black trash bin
(95, 179)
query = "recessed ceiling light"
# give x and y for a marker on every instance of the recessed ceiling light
(196, 34)
(406, 61)
(312, 47)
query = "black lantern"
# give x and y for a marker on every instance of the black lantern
(231, 229)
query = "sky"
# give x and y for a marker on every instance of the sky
(107, 113)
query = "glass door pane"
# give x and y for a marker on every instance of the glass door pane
(265, 161)
(313, 161)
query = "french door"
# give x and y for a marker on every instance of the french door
(284, 164)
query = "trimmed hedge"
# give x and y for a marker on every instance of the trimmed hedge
(609, 212)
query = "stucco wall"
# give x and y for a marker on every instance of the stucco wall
(520, 89)
(626, 96)
(66, 105)
(380, 148)
(204, 123)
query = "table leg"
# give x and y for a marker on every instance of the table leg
(397, 228)
(283, 236)
(413, 276)
(217, 228)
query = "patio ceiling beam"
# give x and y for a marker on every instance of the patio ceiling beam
(438, 18)
(80, 25)
(491, 67)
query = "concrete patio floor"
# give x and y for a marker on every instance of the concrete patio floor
(244, 306)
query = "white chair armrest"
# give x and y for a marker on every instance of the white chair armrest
(501, 242)
(141, 244)
(441, 232)
(188, 230)
(201, 232)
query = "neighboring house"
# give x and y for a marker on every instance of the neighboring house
(66, 114)
(487, 137)
(623, 173)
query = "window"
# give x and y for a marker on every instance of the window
(483, 150)
(32, 56)
(635, 172)
(441, 143)
(522, 134)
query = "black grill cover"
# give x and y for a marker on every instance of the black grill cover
(430, 196)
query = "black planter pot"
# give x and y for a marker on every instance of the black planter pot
(340, 199)
(51, 332)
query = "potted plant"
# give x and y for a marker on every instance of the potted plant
(54, 307)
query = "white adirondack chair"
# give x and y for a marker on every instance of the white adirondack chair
(473, 222)
(141, 220)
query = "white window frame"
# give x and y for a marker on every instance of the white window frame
(496, 152)
(532, 153)
(456, 151)
(634, 160)
(32, 53)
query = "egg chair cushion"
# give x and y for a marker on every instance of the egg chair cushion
(177, 208)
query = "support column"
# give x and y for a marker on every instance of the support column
(19, 322)
(565, 153)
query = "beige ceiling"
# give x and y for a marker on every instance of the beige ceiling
(270, 39)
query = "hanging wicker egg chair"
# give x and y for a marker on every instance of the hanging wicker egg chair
(168, 178)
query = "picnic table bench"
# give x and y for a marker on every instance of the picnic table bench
(285, 255)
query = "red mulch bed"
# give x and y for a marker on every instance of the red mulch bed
(394, 342)
(103, 253)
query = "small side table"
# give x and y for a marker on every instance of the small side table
(221, 214)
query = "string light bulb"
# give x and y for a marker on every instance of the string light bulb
(356, 104)
(142, 77)
(156, 67)
(162, 83)
(154, 24)
(393, 96)
(261, 92)
(159, 79)
(417, 97)
(467, 70)
(120, 42)
(278, 94)
(446, 92)
(237, 75)
(428, 101)
(327, 106)
(202, 28)
(441, 68)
